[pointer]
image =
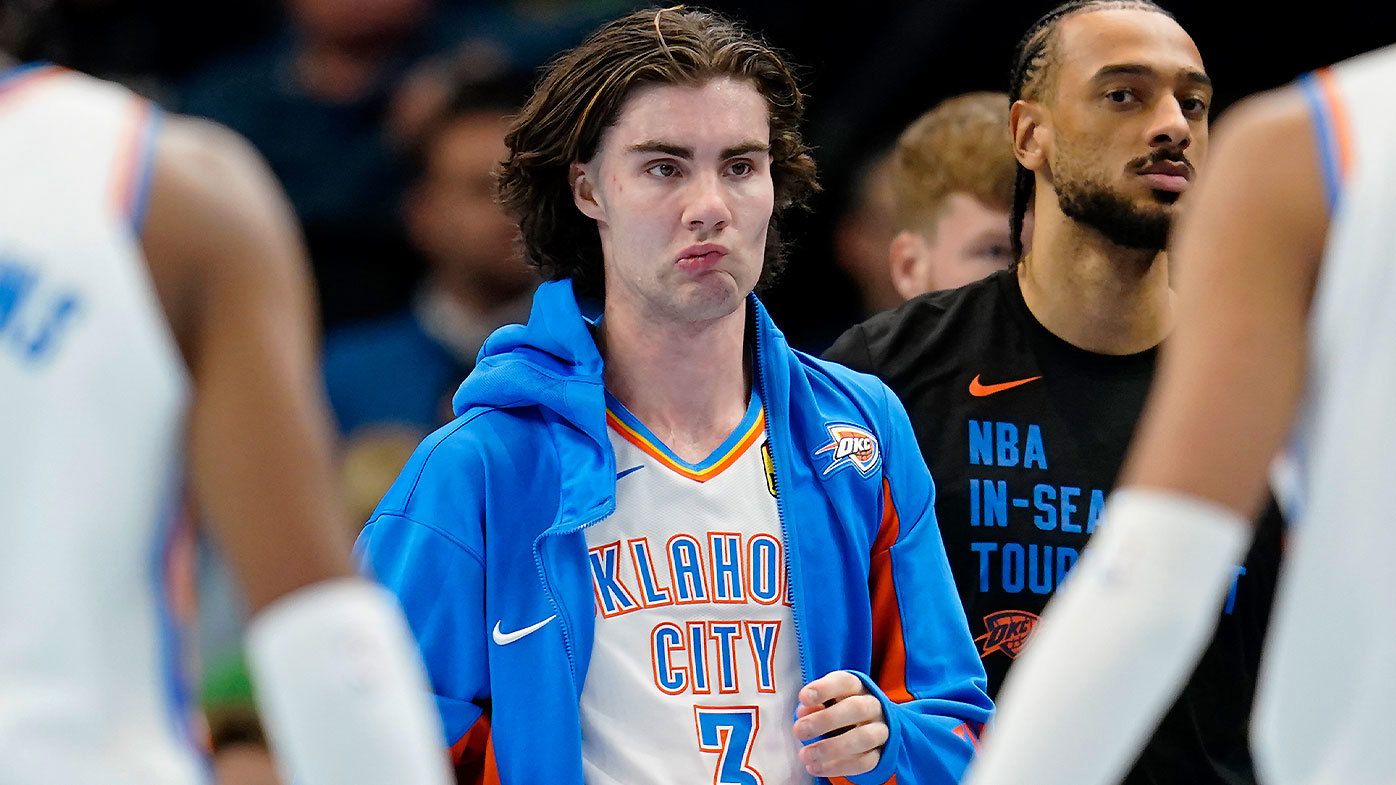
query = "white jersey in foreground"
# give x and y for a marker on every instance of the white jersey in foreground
(695, 669)
(92, 398)
(1326, 711)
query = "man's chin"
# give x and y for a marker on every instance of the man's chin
(714, 295)
(1165, 199)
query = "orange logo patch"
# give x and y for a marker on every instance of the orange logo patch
(1006, 631)
(851, 446)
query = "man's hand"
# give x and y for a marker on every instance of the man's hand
(840, 707)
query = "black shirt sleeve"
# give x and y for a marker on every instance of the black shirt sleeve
(851, 349)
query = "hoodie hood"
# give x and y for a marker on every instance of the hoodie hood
(552, 362)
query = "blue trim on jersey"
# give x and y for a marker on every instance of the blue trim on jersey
(20, 70)
(753, 410)
(485, 528)
(176, 684)
(145, 169)
(1324, 133)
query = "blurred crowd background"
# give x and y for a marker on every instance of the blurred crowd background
(383, 119)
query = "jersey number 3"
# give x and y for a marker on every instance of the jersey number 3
(729, 732)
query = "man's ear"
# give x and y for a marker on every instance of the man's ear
(1030, 135)
(906, 259)
(584, 193)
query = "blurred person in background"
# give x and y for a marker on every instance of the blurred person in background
(952, 186)
(932, 213)
(1024, 388)
(863, 232)
(370, 460)
(402, 369)
(157, 307)
(313, 100)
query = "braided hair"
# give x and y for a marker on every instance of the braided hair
(1032, 64)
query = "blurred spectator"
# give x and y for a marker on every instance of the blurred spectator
(402, 369)
(372, 458)
(313, 100)
(864, 231)
(952, 182)
(528, 33)
(144, 44)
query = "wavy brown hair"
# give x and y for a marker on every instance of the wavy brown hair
(581, 94)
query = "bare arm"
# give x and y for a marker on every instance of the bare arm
(340, 684)
(1247, 253)
(231, 272)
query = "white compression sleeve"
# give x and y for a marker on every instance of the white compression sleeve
(342, 691)
(1116, 643)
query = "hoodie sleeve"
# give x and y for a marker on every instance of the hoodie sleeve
(926, 669)
(437, 574)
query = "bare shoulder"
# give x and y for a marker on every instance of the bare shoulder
(211, 179)
(217, 218)
(1267, 152)
(198, 142)
(1261, 202)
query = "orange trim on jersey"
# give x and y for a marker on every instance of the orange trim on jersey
(22, 82)
(1338, 116)
(473, 755)
(889, 644)
(131, 160)
(751, 436)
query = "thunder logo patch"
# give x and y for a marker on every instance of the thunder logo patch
(1006, 631)
(850, 446)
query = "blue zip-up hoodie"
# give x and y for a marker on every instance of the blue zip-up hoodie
(482, 531)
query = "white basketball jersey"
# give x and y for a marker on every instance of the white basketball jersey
(695, 670)
(92, 396)
(1326, 712)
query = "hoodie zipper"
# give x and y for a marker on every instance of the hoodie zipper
(780, 511)
(552, 596)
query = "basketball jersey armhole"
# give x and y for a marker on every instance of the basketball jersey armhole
(136, 167)
(1331, 131)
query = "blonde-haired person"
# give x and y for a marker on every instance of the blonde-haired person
(952, 183)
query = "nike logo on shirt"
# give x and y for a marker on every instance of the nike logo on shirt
(506, 638)
(979, 390)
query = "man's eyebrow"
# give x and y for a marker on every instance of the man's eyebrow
(1134, 69)
(744, 149)
(686, 153)
(656, 146)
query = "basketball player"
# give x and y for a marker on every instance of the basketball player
(1025, 388)
(154, 306)
(1285, 320)
(657, 544)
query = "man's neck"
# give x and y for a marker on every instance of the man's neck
(1092, 293)
(687, 382)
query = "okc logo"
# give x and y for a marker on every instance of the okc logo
(851, 446)
(1006, 631)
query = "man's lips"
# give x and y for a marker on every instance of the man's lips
(698, 258)
(1172, 176)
